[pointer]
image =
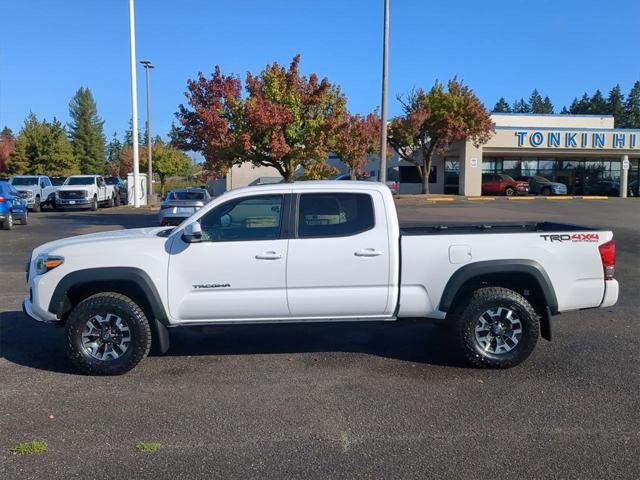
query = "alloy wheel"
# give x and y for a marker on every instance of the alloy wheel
(498, 330)
(106, 337)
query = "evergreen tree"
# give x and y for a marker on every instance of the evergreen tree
(547, 106)
(520, 106)
(598, 105)
(582, 106)
(128, 136)
(632, 107)
(42, 148)
(500, 107)
(564, 111)
(114, 147)
(535, 102)
(7, 147)
(86, 132)
(174, 136)
(615, 106)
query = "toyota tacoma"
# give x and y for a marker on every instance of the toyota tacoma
(316, 252)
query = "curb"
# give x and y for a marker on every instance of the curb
(521, 198)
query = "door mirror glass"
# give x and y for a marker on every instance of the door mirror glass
(192, 233)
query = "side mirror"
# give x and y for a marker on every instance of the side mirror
(192, 233)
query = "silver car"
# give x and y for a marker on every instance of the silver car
(181, 204)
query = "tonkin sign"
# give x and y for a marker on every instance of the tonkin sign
(595, 139)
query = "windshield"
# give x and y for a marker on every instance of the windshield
(57, 181)
(507, 178)
(542, 180)
(25, 181)
(80, 181)
(111, 180)
(186, 195)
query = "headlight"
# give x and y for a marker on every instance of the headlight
(29, 193)
(44, 263)
(85, 193)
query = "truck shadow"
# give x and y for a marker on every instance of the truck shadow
(122, 217)
(24, 342)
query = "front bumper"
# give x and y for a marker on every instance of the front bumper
(31, 311)
(611, 291)
(75, 203)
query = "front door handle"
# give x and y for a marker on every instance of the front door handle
(269, 256)
(368, 252)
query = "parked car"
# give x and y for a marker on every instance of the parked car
(543, 186)
(316, 251)
(120, 188)
(181, 203)
(13, 206)
(38, 189)
(85, 191)
(501, 184)
(606, 187)
(393, 186)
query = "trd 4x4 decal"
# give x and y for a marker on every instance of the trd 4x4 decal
(575, 237)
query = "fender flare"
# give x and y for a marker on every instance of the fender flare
(159, 320)
(516, 266)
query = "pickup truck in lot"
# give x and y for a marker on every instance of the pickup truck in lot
(316, 252)
(38, 190)
(85, 191)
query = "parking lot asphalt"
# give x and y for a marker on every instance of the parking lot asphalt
(330, 401)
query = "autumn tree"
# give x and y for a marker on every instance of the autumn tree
(285, 121)
(432, 120)
(169, 161)
(124, 165)
(7, 147)
(355, 137)
(86, 132)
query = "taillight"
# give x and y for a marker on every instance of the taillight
(2, 199)
(608, 257)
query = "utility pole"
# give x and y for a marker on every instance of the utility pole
(382, 174)
(150, 197)
(134, 107)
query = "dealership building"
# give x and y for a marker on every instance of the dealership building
(585, 152)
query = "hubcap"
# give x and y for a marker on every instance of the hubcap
(106, 337)
(498, 330)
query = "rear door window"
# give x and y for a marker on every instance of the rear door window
(334, 214)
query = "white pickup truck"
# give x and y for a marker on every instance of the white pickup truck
(85, 191)
(310, 252)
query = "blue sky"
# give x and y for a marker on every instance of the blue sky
(49, 48)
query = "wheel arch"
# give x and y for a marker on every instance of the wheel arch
(129, 281)
(527, 277)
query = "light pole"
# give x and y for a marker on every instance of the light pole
(382, 175)
(134, 107)
(147, 66)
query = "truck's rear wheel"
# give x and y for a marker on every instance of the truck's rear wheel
(496, 328)
(107, 334)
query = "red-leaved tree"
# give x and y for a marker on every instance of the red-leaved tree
(357, 136)
(7, 147)
(435, 119)
(286, 120)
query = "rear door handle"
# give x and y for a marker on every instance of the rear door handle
(368, 252)
(269, 256)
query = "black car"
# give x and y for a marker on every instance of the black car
(119, 187)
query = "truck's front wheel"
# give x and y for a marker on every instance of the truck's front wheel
(94, 204)
(107, 334)
(496, 328)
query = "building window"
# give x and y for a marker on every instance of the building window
(409, 174)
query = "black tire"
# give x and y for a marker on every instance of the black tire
(111, 202)
(24, 219)
(102, 304)
(94, 204)
(509, 191)
(37, 206)
(546, 191)
(495, 299)
(7, 223)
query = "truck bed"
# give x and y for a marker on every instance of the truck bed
(411, 229)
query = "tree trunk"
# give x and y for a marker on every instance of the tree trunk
(425, 180)
(352, 174)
